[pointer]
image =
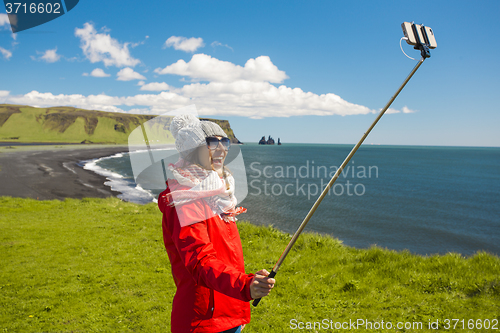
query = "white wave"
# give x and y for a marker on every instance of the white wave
(92, 166)
(129, 190)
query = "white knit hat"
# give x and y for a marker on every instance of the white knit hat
(190, 133)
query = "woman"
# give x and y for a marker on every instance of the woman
(201, 237)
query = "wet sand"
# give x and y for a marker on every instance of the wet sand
(52, 172)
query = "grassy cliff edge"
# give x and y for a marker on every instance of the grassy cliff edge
(100, 265)
(19, 123)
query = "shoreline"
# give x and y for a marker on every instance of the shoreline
(49, 172)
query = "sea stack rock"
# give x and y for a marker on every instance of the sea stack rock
(269, 141)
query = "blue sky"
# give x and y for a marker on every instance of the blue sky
(303, 71)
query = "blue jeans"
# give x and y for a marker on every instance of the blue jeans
(233, 330)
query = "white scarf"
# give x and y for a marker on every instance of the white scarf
(207, 185)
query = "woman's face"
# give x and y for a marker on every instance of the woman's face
(217, 160)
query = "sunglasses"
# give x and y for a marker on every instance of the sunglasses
(213, 143)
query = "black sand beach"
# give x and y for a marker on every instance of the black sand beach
(47, 173)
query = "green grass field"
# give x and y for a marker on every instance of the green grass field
(19, 123)
(99, 265)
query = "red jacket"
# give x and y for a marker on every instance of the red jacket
(213, 290)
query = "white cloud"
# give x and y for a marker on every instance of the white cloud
(98, 72)
(391, 111)
(128, 74)
(49, 56)
(216, 43)
(184, 44)
(205, 68)
(4, 20)
(3, 95)
(101, 47)
(139, 111)
(405, 109)
(168, 101)
(234, 91)
(6, 53)
(5, 23)
(242, 98)
(155, 86)
(133, 45)
(262, 99)
(96, 102)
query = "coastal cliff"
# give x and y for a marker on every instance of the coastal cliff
(64, 124)
(224, 124)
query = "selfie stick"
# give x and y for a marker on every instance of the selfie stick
(425, 54)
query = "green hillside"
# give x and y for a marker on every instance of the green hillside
(20, 123)
(99, 265)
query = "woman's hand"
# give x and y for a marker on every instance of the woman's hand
(261, 285)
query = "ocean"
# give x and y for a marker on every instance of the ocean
(428, 200)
